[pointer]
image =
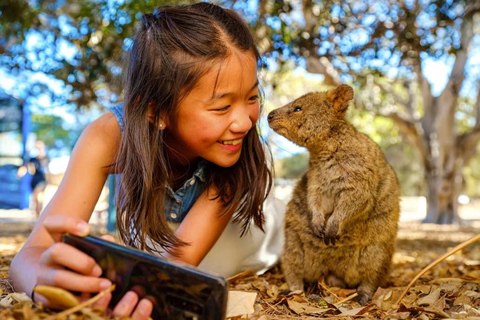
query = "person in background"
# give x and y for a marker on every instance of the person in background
(37, 166)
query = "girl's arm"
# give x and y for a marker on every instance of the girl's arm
(43, 259)
(201, 228)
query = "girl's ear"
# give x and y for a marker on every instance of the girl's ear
(160, 124)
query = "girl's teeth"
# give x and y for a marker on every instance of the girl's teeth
(232, 142)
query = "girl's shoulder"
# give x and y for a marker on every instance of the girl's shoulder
(101, 139)
(106, 129)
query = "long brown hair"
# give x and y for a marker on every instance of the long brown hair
(174, 47)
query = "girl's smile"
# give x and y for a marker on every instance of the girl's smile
(232, 145)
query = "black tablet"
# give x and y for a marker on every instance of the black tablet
(177, 291)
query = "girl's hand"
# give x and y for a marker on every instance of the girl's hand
(64, 266)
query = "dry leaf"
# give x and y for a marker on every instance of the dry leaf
(423, 288)
(299, 298)
(471, 293)
(472, 311)
(440, 304)
(240, 303)
(6, 301)
(451, 286)
(283, 287)
(474, 274)
(461, 300)
(380, 292)
(273, 291)
(20, 297)
(383, 299)
(447, 280)
(429, 299)
(26, 311)
(399, 315)
(303, 308)
(388, 295)
(60, 297)
(354, 311)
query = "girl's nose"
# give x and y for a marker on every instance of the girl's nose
(242, 121)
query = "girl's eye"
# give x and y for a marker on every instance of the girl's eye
(222, 109)
(254, 98)
(297, 108)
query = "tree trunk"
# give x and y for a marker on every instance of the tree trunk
(442, 194)
(432, 196)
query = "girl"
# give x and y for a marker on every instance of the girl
(187, 148)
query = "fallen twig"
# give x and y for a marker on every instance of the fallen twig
(433, 264)
(244, 274)
(325, 287)
(350, 297)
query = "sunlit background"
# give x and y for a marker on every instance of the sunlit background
(415, 67)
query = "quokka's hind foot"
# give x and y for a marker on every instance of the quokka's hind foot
(365, 293)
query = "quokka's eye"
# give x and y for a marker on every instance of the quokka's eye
(297, 108)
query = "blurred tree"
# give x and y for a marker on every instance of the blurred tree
(79, 42)
(352, 41)
(292, 167)
(50, 129)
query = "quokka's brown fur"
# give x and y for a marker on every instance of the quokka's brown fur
(341, 222)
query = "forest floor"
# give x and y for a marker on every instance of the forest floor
(451, 289)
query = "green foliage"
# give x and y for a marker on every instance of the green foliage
(79, 42)
(471, 175)
(50, 130)
(292, 167)
(367, 42)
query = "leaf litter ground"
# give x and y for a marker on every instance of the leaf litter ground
(450, 290)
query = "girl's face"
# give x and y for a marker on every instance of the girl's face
(217, 114)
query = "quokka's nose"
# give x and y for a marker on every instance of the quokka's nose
(271, 115)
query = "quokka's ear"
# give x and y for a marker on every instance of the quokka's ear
(340, 96)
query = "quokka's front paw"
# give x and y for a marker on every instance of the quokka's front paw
(318, 227)
(318, 231)
(331, 232)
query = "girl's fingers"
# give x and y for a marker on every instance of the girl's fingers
(143, 310)
(72, 281)
(57, 225)
(64, 255)
(103, 302)
(126, 305)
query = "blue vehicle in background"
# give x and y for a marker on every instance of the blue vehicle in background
(15, 126)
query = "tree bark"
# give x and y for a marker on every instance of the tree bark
(432, 196)
(442, 194)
